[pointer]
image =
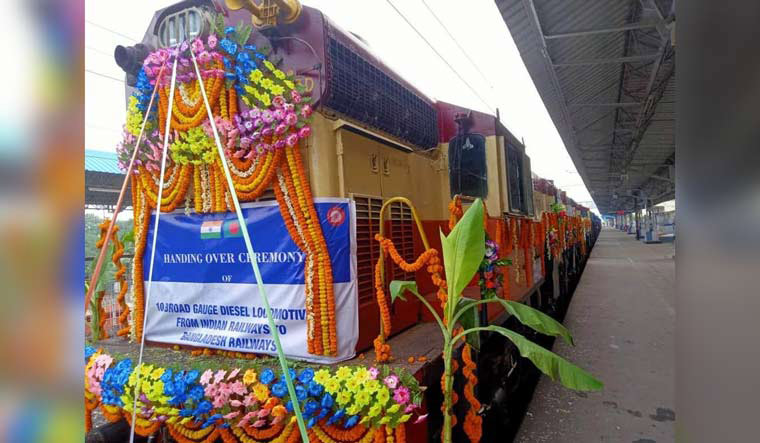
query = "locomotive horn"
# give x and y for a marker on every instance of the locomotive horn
(130, 59)
(287, 11)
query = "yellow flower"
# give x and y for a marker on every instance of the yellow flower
(343, 398)
(361, 374)
(405, 418)
(279, 74)
(332, 385)
(353, 409)
(289, 84)
(145, 370)
(321, 376)
(256, 75)
(343, 373)
(249, 377)
(382, 396)
(157, 373)
(261, 392)
(393, 409)
(352, 384)
(374, 411)
(385, 420)
(269, 65)
(362, 398)
(277, 90)
(372, 386)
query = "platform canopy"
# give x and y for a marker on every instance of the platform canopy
(103, 179)
(605, 70)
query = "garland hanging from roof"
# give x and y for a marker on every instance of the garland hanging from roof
(261, 116)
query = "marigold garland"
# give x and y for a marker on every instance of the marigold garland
(473, 423)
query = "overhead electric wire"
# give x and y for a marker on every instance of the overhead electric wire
(456, 42)
(104, 75)
(105, 28)
(440, 56)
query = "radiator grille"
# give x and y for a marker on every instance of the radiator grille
(367, 249)
(363, 92)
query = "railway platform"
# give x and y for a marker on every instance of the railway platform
(622, 317)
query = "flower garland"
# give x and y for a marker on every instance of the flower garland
(382, 349)
(253, 404)
(473, 423)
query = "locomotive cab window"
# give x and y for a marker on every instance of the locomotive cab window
(520, 180)
(468, 174)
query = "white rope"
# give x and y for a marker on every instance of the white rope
(153, 247)
(253, 261)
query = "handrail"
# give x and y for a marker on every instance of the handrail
(406, 201)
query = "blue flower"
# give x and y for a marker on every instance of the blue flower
(166, 377)
(204, 407)
(88, 351)
(337, 416)
(292, 373)
(351, 422)
(196, 392)
(266, 376)
(312, 421)
(186, 413)
(327, 401)
(289, 406)
(229, 46)
(310, 408)
(178, 399)
(229, 76)
(250, 47)
(306, 375)
(323, 413)
(301, 393)
(191, 376)
(279, 389)
(315, 389)
(229, 30)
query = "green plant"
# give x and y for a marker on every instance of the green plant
(463, 252)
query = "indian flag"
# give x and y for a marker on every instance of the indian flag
(211, 229)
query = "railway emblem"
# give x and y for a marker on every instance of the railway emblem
(336, 216)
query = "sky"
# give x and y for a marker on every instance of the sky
(498, 74)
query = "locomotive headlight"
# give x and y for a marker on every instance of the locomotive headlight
(182, 26)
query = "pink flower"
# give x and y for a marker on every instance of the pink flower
(238, 388)
(420, 419)
(219, 375)
(304, 132)
(401, 395)
(306, 111)
(231, 415)
(233, 374)
(267, 117)
(249, 401)
(291, 119)
(280, 129)
(196, 46)
(279, 144)
(278, 419)
(239, 153)
(236, 403)
(204, 57)
(254, 113)
(263, 412)
(409, 408)
(278, 101)
(288, 107)
(266, 132)
(211, 41)
(219, 401)
(391, 381)
(295, 96)
(259, 423)
(206, 377)
(211, 390)
(292, 139)
(250, 154)
(373, 373)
